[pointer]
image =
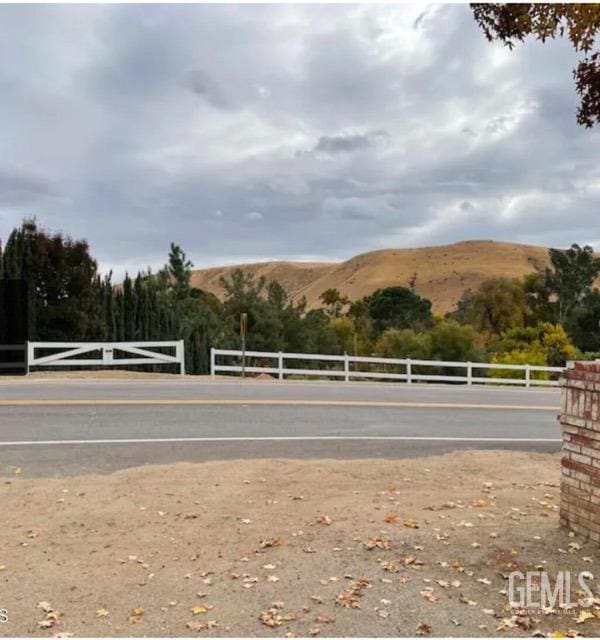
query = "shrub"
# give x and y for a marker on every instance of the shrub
(532, 355)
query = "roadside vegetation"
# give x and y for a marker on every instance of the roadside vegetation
(544, 318)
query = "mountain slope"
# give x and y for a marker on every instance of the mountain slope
(443, 273)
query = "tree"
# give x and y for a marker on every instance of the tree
(579, 22)
(345, 333)
(399, 308)
(334, 302)
(404, 343)
(180, 271)
(546, 338)
(64, 289)
(318, 334)
(452, 341)
(571, 278)
(496, 306)
(538, 299)
(584, 326)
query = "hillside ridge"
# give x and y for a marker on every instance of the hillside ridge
(443, 272)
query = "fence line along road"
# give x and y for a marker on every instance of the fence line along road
(110, 354)
(353, 367)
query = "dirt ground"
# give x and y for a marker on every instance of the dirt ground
(281, 547)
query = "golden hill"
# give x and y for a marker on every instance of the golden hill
(443, 273)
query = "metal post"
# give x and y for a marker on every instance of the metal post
(469, 373)
(243, 328)
(212, 362)
(527, 375)
(346, 367)
(280, 365)
(408, 371)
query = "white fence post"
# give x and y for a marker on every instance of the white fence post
(346, 367)
(469, 373)
(180, 352)
(280, 365)
(408, 371)
(29, 354)
(107, 356)
(212, 362)
(527, 375)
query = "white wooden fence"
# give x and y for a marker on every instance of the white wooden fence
(67, 354)
(349, 371)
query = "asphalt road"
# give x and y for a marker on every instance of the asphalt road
(59, 427)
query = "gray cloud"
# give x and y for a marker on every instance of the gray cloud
(201, 83)
(286, 131)
(18, 188)
(346, 143)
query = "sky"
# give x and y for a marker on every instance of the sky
(311, 132)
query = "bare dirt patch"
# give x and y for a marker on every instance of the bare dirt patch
(278, 547)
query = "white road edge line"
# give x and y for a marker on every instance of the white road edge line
(27, 443)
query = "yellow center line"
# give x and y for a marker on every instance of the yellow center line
(254, 402)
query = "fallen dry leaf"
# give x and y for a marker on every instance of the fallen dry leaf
(423, 629)
(376, 543)
(201, 608)
(429, 595)
(324, 619)
(270, 542)
(136, 614)
(462, 598)
(583, 616)
(201, 626)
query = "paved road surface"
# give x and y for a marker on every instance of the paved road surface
(56, 427)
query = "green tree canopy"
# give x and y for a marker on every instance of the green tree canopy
(549, 339)
(399, 308)
(496, 306)
(571, 278)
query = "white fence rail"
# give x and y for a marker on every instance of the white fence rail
(279, 367)
(67, 354)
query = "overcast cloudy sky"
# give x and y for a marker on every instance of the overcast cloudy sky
(311, 132)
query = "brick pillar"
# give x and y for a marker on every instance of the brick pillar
(580, 422)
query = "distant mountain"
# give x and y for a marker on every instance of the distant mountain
(443, 273)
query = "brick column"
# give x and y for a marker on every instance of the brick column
(580, 422)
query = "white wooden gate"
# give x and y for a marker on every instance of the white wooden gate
(68, 354)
